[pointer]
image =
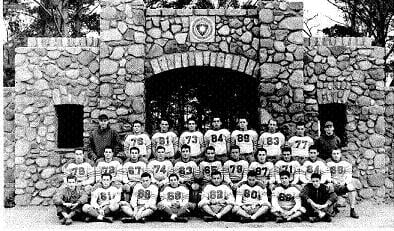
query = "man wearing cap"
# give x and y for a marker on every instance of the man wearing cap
(328, 141)
(102, 137)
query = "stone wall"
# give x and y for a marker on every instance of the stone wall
(47, 76)
(9, 146)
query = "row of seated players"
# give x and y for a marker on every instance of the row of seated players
(336, 172)
(221, 139)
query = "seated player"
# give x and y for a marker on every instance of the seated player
(188, 172)
(175, 200)
(217, 199)
(219, 138)
(209, 165)
(69, 201)
(341, 178)
(314, 165)
(286, 201)
(292, 166)
(109, 165)
(132, 170)
(272, 141)
(300, 144)
(263, 169)
(167, 139)
(246, 139)
(140, 140)
(193, 138)
(160, 168)
(143, 201)
(104, 202)
(82, 169)
(251, 201)
(318, 200)
(235, 170)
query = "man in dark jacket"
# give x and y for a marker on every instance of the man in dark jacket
(328, 141)
(69, 201)
(102, 137)
(318, 200)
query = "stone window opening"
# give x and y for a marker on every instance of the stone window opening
(70, 125)
(335, 112)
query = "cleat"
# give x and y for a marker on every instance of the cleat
(246, 220)
(68, 221)
(313, 219)
(353, 214)
(327, 218)
(108, 219)
(63, 221)
(279, 220)
(209, 218)
(296, 219)
(127, 220)
(181, 219)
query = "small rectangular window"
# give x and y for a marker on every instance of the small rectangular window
(336, 113)
(70, 125)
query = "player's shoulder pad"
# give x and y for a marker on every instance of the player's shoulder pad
(100, 160)
(117, 159)
(206, 185)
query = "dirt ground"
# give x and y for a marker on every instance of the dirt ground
(373, 216)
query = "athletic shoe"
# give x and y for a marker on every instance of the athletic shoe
(181, 219)
(353, 214)
(279, 220)
(246, 220)
(108, 219)
(68, 221)
(63, 221)
(327, 218)
(296, 219)
(127, 219)
(209, 218)
(313, 219)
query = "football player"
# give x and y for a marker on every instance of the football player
(272, 141)
(140, 140)
(219, 138)
(160, 168)
(263, 169)
(235, 169)
(167, 139)
(300, 144)
(109, 165)
(194, 139)
(132, 170)
(209, 165)
(246, 139)
(286, 163)
(314, 165)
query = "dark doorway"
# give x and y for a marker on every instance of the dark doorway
(201, 92)
(336, 113)
(70, 125)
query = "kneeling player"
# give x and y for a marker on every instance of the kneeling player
(143, 200)
(105, 200)
(286, 201)
(217, 198)
(175, 200)
(251, 200)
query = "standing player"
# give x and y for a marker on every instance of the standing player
(235, 170)
(209, 165)
(272, 141)
(143, 200)
(82, 169)
(109, 165)
(251, 201)
(175, 200)
(138, 139)
(341, 177)
(194, 139)
(167, 139)
(245, 139)
(314, 165)
(132, 170)
(217, 199)
(300, 143)
(292, 166)
(160, 168)
(104, 202)
(286, 201)
(264, 170)
(219, 138)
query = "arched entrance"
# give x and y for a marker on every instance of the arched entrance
(201, 92)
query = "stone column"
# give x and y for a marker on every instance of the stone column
(122, 53)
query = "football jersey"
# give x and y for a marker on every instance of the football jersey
(293, 167)
(160, 170)
(168, 140)
(171, 195)
(272, 142)
(285, 197)
(114, 168)
(144, 196)
(187, 171)
(317, 166)
(264, 171)
(218, 139)
(300, 145)
(341, 172)
(235, 171)
(212, 192)
(141, 141)
(251, 195)
(246, 140)
(84, 172)
(132, 171)
(206, 168)
(194, 139)
(102, 196)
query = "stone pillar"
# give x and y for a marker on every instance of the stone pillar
(122, 53)
(281, 63)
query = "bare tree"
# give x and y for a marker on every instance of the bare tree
(309, 24)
